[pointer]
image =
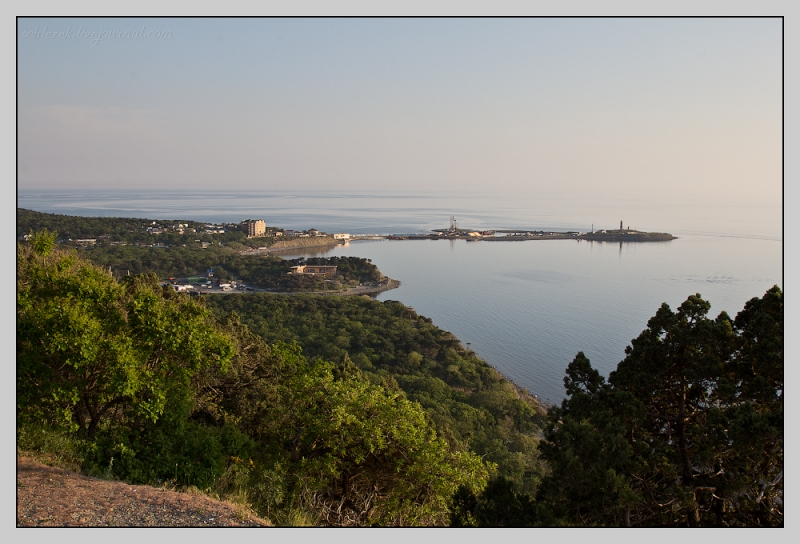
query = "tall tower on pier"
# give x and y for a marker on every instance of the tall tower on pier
(620, 224)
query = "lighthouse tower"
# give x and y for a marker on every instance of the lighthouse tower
(620, 224)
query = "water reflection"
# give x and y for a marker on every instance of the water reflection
(528, 307)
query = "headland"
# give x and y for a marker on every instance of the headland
(519, 235)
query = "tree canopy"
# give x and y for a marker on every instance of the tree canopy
(688, 431)
(157, 389)
(367, 456)
(348, 411)
(87, 345)
(473, 407)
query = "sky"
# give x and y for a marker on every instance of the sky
(632, 107)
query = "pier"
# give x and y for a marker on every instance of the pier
(519, 235)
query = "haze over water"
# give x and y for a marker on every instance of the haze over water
(527, 308)
(392, 125)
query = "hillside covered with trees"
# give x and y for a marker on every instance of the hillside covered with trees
(143, 384)
(472, 405)
(352, 412)
(128, 246)
(132, 231)
(687, 431)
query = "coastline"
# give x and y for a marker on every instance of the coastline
(368, 289)
(387, 284)
(363, 290)
(290, 245)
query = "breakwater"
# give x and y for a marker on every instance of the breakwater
(521, 236)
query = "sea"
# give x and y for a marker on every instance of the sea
(527, 308)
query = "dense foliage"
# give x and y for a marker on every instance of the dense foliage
(688, 431)
(70, 226)
(367, 455)
(348, 411)
(133, 231)
(152, 388)
(129, 230)
(87, 345)
(125, 246)
(260, 271)
(472, 405)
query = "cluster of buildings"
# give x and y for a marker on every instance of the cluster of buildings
(255, 228)
(204, 286)
(184, 228)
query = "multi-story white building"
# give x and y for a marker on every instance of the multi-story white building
(254, 227)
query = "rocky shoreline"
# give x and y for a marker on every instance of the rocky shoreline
(296, 243)
(367, 289)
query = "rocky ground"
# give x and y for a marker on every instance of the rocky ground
(54, 497)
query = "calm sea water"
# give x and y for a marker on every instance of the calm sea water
(527, 308)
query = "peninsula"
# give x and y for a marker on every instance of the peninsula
(519, 235)
(622, 235)
(626, 236)
(616, 235)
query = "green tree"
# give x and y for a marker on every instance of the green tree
(89, 348)
(43, 241)
(498, 505)
(472, 407)
(687, 431)
(588, 455)
(362, 455)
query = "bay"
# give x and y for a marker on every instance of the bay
(526, 308)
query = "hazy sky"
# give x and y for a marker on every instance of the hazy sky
(634, 107)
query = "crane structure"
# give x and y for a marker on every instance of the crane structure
(453, 224)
